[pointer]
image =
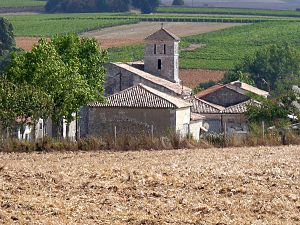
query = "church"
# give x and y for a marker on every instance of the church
(144, 97)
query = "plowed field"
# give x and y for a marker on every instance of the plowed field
(213, 186)
(193, 77)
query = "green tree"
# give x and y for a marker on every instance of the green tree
(22, 105)
(7, 40)
(178, 2)
(146, 6)
(231, 76)
(7, 43)
(67, 68)
(73, 6)
(271, 64)
(272, 111)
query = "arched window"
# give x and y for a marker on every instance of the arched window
(159, 64)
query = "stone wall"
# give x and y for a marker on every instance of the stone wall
(225, 97)
(118, 79)
(169, 60)
(132, 121)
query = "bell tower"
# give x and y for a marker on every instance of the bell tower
(162, 55)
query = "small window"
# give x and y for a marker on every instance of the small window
(41, 126)
(155, 49)
(159, 64)
(165, 49)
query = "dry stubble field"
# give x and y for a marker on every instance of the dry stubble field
(206, 186)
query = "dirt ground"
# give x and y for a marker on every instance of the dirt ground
(135, 33)
(206, 186)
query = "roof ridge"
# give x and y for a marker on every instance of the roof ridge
(141, 95)
(215, 106)
(147, 89)
(173, 87)
(170, 34)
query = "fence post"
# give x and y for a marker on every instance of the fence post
(263, 129)
(152, 132)
(225, 133)
(115, 135)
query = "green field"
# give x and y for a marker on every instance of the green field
(224, 48)
(228, 11)
(21, 3)
(50, 24)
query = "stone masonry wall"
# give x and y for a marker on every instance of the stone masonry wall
(169, 61)
(132, 121)
(225, 97)
(118, 79)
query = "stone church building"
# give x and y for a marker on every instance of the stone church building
(160, 69)
(144, 96)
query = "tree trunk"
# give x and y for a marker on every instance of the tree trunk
(34, 130)
(22, 130)
(57, 129)
(67, 131)
(44, 128)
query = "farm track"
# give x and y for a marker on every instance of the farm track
(205, 186)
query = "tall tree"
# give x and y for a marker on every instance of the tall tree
(272, 64)
(178, 2)
(146, 6)
(67, 68)
(21, 104)
(7, 40)
(7, 43)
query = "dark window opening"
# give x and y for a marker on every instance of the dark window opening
(154, 49)
(159, 64)
(165, 49)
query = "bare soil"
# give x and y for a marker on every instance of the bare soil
(193, 77)
(135, 33)
(205, 186)
(144, 29)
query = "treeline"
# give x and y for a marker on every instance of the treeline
(80, 6)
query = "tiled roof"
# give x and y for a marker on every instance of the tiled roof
(173, 87)
(248, 88)
(203, 107)
(238, 108)
(209, 90)
(200, 106)
(161, 35)
(142, 96)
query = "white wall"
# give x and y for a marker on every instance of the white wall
(183, 117)
(195, 129)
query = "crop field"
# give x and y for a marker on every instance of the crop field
(222, 49)
(203, 186)
(228, 11)
(51, 24)
(21, 3)
(135, 33)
